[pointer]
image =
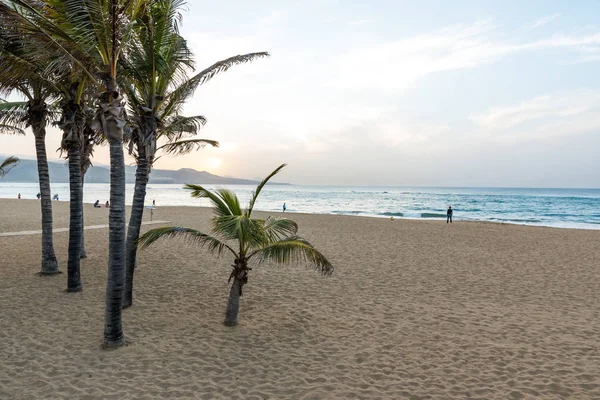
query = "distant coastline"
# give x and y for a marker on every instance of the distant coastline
(26, 172)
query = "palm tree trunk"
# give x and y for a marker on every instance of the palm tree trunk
(82, 253)
(113, 329)
(49, 262)
(76, 220)
(135, 223)
(233, 304)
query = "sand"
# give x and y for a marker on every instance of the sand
(415, 310)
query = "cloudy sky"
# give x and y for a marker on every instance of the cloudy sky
(427, 93)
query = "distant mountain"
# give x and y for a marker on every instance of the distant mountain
(26, 171)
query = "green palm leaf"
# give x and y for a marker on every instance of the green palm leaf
(191, 235)
(293, 249)
(182, 147)
(260, 186)
(198, 192)
(174, 99)
(7, 165)
(279, 228)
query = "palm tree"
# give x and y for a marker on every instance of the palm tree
(72, 123)
(88, 37)
(36, 28)
(156, 84)
(18, 74)
(90, 139)
(256, 240)
(34, 113)
(8, 164)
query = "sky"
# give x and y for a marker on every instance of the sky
(390, 92)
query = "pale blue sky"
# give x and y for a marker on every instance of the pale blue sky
(452, 93)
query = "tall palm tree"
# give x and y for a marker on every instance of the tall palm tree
(34, 114)
(88, 35)
(252, 240)
(90, 139)
(72, 123)
(37, 27)
(7, 165)
(100, 28)
(25, 77)
(157, 86)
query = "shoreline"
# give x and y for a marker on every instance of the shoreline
(587, 227)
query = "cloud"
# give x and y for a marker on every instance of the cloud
(558, 105)
(542, 21)
(542, 118)
(395, 65)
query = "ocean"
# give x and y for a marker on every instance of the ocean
(562, 208)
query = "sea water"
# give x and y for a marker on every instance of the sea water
(566, 208)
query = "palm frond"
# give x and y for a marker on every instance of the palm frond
(293, 249)
(249, 233)
(8, 164)
(182, 147)
(279, 228)
(231, 200)
(198, 192)
(13, 117)
(260, 186)
(11, 130)
(213, 244)
(176, 127)
(179, 95)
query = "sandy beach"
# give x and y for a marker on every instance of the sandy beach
(415, 310)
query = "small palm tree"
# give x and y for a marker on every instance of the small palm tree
(7, 165)
(257, 240)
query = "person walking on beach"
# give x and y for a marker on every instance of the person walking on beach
(19, 196)
(284, 207)
(449, 214)
(153, 203)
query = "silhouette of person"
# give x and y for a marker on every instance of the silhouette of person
(107, 204)
(38, 195)
(449, 215)
(19, 196)
(284, 207)
(97, 204)
(153, 203)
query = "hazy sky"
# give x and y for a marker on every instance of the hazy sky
(448, 93)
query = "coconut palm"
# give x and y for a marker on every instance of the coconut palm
(7, 165)
(88, 36)
(34, 113)
(249, 240)
(18, 74)
(90, 139)
(157, 86)
(35, 27)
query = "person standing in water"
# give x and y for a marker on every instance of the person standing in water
(449, 214)
(284, 207)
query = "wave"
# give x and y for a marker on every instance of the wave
(392, 214)
(432, 215)
(345, 212)
(533, 220)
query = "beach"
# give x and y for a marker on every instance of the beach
(414, 310)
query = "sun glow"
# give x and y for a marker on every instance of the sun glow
(214, 163)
